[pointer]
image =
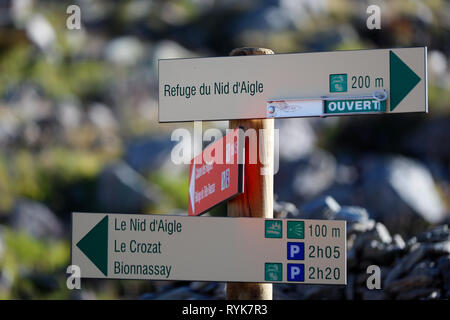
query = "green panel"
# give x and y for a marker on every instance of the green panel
(338, 82)
(95, 245)
(354, 106)
(273, 229)
(273, 271)
(296, 230)
(402, 79)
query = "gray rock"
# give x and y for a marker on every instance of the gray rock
(418, 252)
(379, 233)
(181, 293)
(102, 117)
(280, 294)
(168, 49)
(136, 10)
(20, 11)
(424, 274)
(69, 115)
(9, 126)
(45, 283)
(399, 242)
(438, 234)
(443, 265)
(315, 174)
(306, 178)
(426, 267)
(203, 287)
(383, 233)
(385, 270)
(406, 263)
(96, 11)
(352, 259)
(352, 214)
(375, 294)
(431, 139)
(360, 227)
(409, 283)
(220, 292)
(346, 174)
(350, 288)
(316, 292)
(378, 252)
(36, 219)
(438, 249)
(84, 294)
(297, 139)
(285, 210)
(419, 293)
(161, 286)
(209, 289)
(121, 189)
(402, 186)
(149, 154)
(262, 19)
(148, 296)
(40, 32)
(125, 51)
(29, 104)
(6, 280)
(198, 285)
(381, 252)
(344, 193)
(375, 248)
(321, 208)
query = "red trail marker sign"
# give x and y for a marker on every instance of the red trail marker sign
(216, 174)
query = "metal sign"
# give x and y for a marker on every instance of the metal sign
(239, 87)
(216, 174)
(163, 247)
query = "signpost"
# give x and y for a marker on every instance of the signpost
(250, 251)
(257, 200)
(218, 88)
(163, 247)
(216, 174)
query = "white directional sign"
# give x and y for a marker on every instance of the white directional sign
(162, 247)
(293, 85)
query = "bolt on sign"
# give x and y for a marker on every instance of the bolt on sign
(293, 85)
(216, 174)
(163, 247)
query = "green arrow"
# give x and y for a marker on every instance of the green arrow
(95, 245)
(402, 79)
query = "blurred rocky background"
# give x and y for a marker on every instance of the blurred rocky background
(79, 132)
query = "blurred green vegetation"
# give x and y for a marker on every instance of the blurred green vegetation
(59, 79)
(41, 176)
(439, 98)
(174, 190)
(25, 255)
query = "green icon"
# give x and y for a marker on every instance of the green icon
(338, 82)
(296, 229)
(95, 245)
(355, 106)
(273, 271)
(273, 229)
(402, 79)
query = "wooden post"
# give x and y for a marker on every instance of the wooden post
(257, 199)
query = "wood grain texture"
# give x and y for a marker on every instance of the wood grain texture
(257, 199)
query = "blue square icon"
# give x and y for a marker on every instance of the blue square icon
(295, 251)
(296, 272)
